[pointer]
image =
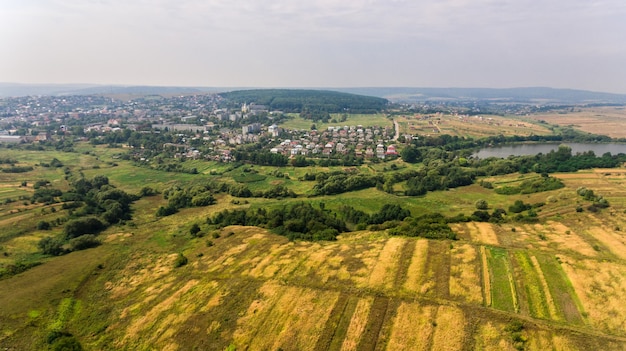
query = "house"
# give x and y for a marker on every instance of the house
(380, 151)
(391, 150)
(274, 130)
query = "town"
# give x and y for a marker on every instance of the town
(198, 127)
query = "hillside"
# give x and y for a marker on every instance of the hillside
(296, 100)
(555, 282)
(537, 95)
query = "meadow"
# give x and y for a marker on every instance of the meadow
(470, 126)
(556, 283)
(604, 120)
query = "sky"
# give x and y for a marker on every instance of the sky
(577, 44)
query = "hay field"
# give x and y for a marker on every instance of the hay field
(609, 121)
(469, 126)
(255, 290)
(561, 278)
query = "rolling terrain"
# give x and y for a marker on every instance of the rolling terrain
(556, 283)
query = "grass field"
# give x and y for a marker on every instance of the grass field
(562, 278)
(503, 290)
(365, 120)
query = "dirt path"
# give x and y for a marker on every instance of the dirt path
(397, 128)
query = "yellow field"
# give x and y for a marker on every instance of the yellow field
(412, 328)
(387, 265)
(465, 274)
(417, 266)
(482, 233)
(609, 121)
(357, 324)
(254, 290)
(469, 126)
(601, 287)
(449, 331)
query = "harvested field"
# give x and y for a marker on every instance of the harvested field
(357, 324)
(384, 272)
(483, 233)
(293, 322)
(437, 272)
(611, 240)
(469, 126)
(375, 320)
(609, 121)
(465, 274)
(449, 330)
(417, 267)
(490, 337)
(600, 287)
(566, 238)
(412, 328)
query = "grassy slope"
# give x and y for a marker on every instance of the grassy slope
(255, 288)
(364, 120)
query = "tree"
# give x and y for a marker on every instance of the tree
(481, 204)
(410, 154)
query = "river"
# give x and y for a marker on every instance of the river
(533, 149)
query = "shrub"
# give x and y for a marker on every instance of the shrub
(78, 227)
(43, 225)
(481, 204)
(180, 261)
(195, 230)
(51, 246)
(166, 211)
(84, 242)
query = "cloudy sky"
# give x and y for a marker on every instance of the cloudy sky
(579, 44)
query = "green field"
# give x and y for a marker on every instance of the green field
(503, 290)
(248, 288)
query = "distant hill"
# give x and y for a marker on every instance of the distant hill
(539, 95)
(14, 89)
(297, 100)
(534, 95)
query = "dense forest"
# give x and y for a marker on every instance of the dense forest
(298, 101)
